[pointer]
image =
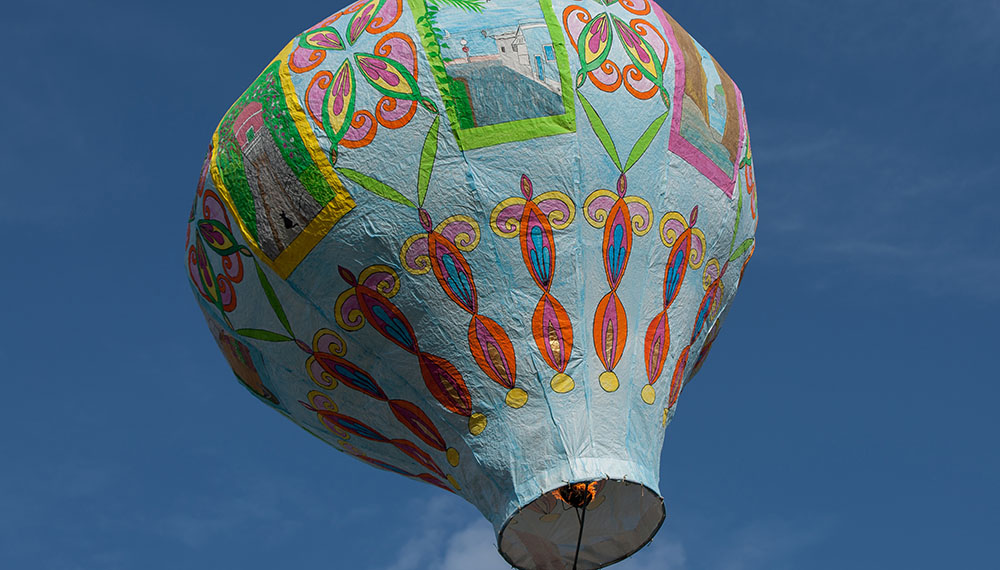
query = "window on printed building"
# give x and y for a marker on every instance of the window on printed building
(549, 54)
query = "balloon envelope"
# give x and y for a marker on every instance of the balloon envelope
(483, 244)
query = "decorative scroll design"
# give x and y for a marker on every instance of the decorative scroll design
(708, 310)
(687, 249)
(344, 426)
(593, 37)
(622, 217)
(440, 249)
(367, 300)
(532, 219)
(390, 68)
(326, 362)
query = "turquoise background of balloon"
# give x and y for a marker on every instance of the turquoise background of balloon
(553, 438)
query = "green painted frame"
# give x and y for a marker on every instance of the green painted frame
(524, 129)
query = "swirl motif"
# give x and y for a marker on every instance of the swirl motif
(367, 300)
(592, 38)
(328, 368)
(362, 131)
(214, 232)
(533, 219)
(687, 245)
(622, 217)
(302, 60)
(391, 69)
(639, 8)
(440, 249)
(340, 424)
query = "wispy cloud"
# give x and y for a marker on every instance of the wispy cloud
(767, 544)
(664, 553)
(448, 539)
(450, 536)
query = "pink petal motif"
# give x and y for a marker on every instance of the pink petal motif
(553, 332)
(536, 246)
(492, 349)
(598, 34)
(631, 39)
(195, 267)
(361, 20)
(446, 384)
(526, 187)
(610, 330)
(677, 265)
(377, 69)
(341, 90)
(453, 272)
(350, 375)
(654, 40)
(411, 416)
(387, 319)
(324, 39)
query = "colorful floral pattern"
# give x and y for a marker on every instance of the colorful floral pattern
(593, 38)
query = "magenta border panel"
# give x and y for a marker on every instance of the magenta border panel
(681, 146)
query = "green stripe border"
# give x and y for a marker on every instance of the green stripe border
(524, 129)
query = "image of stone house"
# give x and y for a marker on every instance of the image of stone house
(282, 204)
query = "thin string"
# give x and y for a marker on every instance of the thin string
(581, 514)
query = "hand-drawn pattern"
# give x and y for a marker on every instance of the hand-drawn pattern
(708, 309)
(344, 426)
(532, 219)
(593, 37)
(390, 68)
(440, 248)
(361, 101)
(621, 217)
(368, 301)
(687, 245)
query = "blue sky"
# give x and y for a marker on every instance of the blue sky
(863, 437)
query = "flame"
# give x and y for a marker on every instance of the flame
(577, 494)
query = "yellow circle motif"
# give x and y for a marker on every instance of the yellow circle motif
(516, 397)
(648, 394)
(477, 423)
(609, 381)
(452, 455)
(562, 383)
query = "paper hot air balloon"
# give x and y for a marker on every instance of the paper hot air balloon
(483, 244)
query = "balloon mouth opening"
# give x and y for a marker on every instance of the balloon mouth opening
(582, 526)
